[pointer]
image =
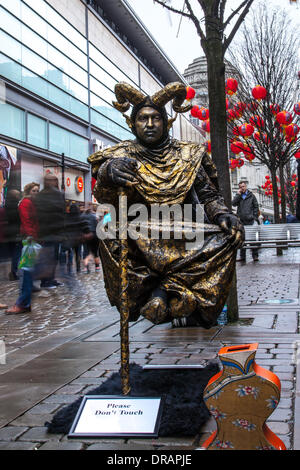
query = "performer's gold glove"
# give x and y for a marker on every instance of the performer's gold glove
(232, 225)
(122, 171)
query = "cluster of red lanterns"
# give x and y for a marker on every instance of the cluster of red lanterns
(268, 186)
(294, 180)
(283, 119)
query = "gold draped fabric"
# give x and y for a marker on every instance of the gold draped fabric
(200, 278)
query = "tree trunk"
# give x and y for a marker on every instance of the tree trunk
(217, 116)
(283, 197)
(218, 135)
(298, 191)
(276, 205)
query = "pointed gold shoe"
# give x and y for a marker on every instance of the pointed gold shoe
(155, 310)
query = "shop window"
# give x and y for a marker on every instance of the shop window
(37, 131)
(12, 121)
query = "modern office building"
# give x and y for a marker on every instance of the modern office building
(59, 63)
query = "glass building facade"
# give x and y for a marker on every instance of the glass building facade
(62, 55)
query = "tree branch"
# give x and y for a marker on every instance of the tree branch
(174, 10)
(189, 15)
(235, 12)
(237, 24)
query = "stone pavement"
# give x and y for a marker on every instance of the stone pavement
(69, 344)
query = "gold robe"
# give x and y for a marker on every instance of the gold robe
(177, 173)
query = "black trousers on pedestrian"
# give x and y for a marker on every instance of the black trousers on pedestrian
(253, 250)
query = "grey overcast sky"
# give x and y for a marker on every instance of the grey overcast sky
(184, 47)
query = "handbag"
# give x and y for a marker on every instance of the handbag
(29, 254)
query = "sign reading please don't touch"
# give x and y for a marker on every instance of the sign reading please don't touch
(117, 416)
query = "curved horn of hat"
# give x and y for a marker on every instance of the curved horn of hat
(175, 91)
(126, 95)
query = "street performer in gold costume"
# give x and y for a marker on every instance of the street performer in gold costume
(166, 281)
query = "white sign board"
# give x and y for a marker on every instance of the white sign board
(117, 416)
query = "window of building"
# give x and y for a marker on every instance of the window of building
(109, 126)
(37, 131)
(72, 145)
(12, 121)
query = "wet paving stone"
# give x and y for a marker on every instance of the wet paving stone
(55, 312)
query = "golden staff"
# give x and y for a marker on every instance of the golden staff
(124, 306)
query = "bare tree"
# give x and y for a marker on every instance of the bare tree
(208, 17)
(267, 55)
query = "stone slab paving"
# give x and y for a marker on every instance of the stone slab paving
(64, 323)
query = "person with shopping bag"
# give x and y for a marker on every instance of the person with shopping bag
(29, 233)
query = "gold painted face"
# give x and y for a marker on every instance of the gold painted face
(149, 125)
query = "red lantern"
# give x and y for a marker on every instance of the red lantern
(206, 126)
(240, 162)
(297, 108)
(284, 118)
(274, 108)
(291, 130)
(237, 147)
(259, 92)
(194, 111)
(297, 154)
(231, 86)
(257, 121)
(294, 176)
(190, 93)
(233, 163)
(203, 114)
(246, 130)
(267, 177)
(293, 183)
(227, 103)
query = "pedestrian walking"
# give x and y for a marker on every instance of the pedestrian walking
(28, 228)
(247, 211)
(76, 230)
(50, 206)
(92, 245)
(260, 218)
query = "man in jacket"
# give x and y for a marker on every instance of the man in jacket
(247, 211)
(50, 205)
